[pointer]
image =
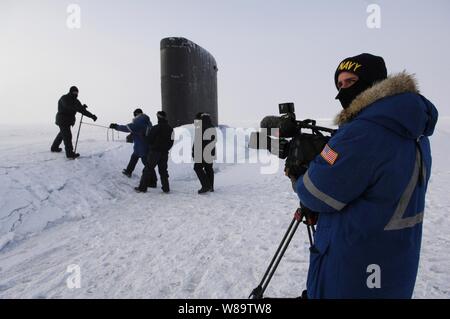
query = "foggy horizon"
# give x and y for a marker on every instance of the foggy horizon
(267, 53)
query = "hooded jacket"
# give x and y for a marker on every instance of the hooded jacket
(68, 106)
(139, 127)
(369, 186)
(160, 137)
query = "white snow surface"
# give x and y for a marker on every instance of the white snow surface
(55, 212)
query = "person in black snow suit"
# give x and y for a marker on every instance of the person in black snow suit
(204, 151)
(160, 141)
(68, 106)
(138, 129)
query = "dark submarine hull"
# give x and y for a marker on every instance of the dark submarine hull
(188, 81)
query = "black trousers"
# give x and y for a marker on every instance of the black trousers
(133, 162)
(154, 159)
(134, 159)
(65, 134)
(205, 174)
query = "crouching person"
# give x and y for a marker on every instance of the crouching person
(160, 141)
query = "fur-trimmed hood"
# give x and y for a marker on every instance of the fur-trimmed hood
(394, 103)
(394, 84)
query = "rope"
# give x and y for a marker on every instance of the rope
(107, 131)
(95, 125)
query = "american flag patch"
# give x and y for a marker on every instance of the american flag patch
(329, 155)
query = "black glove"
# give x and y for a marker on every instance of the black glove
(85, 106)
(113, 126)
(294, 174)
(94, 118)
(129, 138)
(310, 216)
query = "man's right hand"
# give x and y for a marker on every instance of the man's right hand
(295, 172)
(113, 126)
(94, 118)
(311, 217)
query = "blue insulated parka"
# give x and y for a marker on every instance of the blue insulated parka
(369, 186)
(138, 128)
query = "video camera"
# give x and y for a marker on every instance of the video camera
(288, 141)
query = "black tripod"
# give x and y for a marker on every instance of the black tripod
(299, 216)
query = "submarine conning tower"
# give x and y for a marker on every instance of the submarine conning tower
(188, 81)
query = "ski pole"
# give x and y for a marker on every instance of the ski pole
(258, 292)
(78, 135)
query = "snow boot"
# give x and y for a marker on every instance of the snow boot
(140, 190)
(165, 190)
(203, 190)
(73, 156)
(126, 173)
(56, 150)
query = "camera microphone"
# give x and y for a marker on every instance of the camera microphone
(286, 125)
(271, 122)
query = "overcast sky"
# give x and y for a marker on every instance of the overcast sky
(267, 52)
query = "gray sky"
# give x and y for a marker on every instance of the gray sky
(267, 52)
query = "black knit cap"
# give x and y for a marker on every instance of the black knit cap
(161, 115)
(198, 116)
(137, 112)
(369, 68)
(73, 89)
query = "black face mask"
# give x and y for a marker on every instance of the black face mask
(74, 94)
(346, 96)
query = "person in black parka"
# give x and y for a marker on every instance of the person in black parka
(160, 141)
(68, 107)
(204, 151)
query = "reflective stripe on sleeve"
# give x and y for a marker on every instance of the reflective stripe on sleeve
(330, 201)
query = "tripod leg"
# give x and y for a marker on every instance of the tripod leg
(281, 255)
(311, 244)
(257, 292)
(312, 248)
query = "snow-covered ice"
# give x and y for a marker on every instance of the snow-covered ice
(56, 212)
